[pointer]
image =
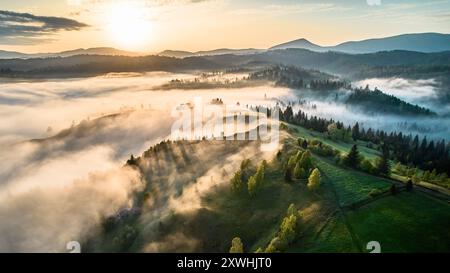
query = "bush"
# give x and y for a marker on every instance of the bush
(367, 167)
(375, 192)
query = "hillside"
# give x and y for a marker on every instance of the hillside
(200, 212)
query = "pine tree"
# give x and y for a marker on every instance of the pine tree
(383, 166)
(355, 132)
(353, 158)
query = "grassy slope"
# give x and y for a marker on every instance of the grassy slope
(338, 145)
(408, 222)
(351, 186)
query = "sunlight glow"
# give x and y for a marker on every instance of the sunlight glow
(129, 26)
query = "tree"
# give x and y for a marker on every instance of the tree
(305, 160)
(426, 176)
(299, 172)
(287, 228)
(366, 166)
(252, 185)
(292, 210)
(355, 132)
(353, 158)
(393, 189)
(236, 245)
(274, 246)
(236, 182)
(132, 161)
(314, 180)
(409, 185)
(288, 175)
(383, 166)
(305, 144)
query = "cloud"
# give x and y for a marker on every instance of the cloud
(26, 28)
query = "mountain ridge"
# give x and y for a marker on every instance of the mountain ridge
(421, 42)
(4, 54)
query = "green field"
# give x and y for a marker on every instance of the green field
(350, 185)
(408, 222)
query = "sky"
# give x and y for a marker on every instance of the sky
(151, 26)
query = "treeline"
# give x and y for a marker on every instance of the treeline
(295, 77)
(380, 102)
(407, 149)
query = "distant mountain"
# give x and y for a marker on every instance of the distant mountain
(11, 54)
(97, 51)
(420, 42)
(348, 65)
(300, 43)
(81, 51)
(176, 53)
(220, 51)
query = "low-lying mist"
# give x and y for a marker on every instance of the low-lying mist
(58, 187)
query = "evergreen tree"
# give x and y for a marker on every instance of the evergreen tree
(355, 132)
(383, 166)
(352, 159)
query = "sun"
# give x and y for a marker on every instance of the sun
(128, 26)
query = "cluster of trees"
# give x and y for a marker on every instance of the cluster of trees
(318, 147)
(286, 233)
(415, 175)
(302, 119)
(298, 166)
(337, 131)
(327, 85)
(295, 77)
(354, 159)
(243, 180)
(381, 102)
(408, 150)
